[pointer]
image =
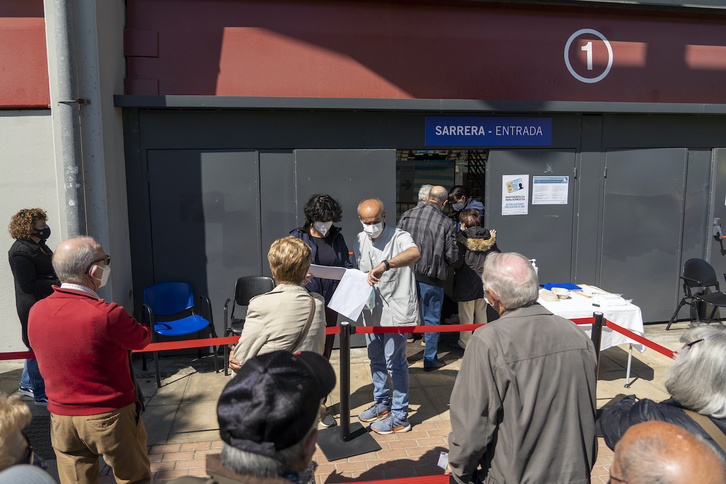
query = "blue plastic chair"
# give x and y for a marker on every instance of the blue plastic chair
(171, 312)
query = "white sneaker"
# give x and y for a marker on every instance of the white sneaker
(28, 392)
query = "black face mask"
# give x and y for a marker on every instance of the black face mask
(42, 234)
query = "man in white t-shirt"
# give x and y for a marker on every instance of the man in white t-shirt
(386, 254)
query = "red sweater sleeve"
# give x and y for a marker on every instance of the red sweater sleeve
(125, 330)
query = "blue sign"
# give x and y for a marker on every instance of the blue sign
(487, 131)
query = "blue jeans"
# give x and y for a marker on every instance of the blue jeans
(31, 378)
(387, 353)
(432, 298)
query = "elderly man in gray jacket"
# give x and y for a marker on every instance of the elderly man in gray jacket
(523, 405)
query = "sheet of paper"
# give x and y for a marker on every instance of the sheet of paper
(351, 294)
(550, 190)
(515, 194)
(443, 460)
(327, 272)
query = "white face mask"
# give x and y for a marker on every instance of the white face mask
(373, 231)
(106, 271)
(323, 227)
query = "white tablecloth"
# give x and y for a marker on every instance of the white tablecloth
(578, 306)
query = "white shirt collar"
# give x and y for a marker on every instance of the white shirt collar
(80, 288)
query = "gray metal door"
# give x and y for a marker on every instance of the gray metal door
(642, 227)
(545, 233)
(205, 219)
(716, 253)
(349, 176)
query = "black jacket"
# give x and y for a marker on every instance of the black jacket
(617, 418)
(34, 277)
(474, 243)
(326, 287)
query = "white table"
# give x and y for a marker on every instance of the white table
(579, 306)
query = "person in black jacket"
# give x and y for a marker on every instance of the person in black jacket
(329, 249)
(31, 264)
(696, 381)
(474, 243)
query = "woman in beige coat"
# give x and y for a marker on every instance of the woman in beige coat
(277, 319)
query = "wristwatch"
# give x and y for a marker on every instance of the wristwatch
(385, 263)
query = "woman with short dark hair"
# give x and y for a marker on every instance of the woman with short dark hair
(31, 262)
(696, 382)
(329, 249)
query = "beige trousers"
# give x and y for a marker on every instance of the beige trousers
(471, 312)
(119, 436)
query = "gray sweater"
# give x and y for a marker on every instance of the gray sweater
(523, 405)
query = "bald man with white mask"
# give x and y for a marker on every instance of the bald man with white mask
(386, 254)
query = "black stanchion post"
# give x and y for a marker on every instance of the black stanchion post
(352, 439)
(344, 381)
(597, 338)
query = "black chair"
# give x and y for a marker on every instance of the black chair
(171, 312)
(235, 309)
(698, 277)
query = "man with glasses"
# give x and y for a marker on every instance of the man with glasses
(523, 405)
(82, 344)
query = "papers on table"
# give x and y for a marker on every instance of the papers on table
(351, 294)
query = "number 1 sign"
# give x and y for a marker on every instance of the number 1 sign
(588, 48)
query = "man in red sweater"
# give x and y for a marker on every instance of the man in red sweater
(82, 345)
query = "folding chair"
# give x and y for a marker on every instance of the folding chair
(698, 277)
(245, 289)
(171, 312)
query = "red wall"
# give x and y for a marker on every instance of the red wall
(23, 59)
(387, 50)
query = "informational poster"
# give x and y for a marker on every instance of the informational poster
(515, 194)
(550, 190)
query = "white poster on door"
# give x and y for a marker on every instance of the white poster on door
(550, 190)
(515, 194)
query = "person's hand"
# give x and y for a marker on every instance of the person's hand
(234, 364)
(308, 278)
(374, 275)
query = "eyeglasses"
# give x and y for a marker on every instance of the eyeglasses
(688, 345)
(105, 258)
